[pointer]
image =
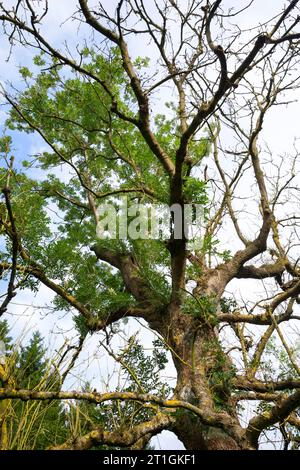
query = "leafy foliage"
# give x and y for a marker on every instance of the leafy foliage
(32, 425)
(203, 307)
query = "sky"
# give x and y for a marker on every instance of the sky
(280, 130)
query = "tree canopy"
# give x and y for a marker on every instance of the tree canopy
(181, 124)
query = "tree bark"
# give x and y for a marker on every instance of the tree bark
(204, 374)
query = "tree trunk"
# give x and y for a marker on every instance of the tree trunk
(195, 436)
(204, 373)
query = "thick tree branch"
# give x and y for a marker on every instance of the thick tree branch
(277, 414)
(129, 269)
(255, 385)
(220, 420)
(93, 322)
(119, 437)
(261, 272)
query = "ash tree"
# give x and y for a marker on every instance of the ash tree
(29, 425)
(222, 310)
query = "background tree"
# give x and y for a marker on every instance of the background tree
(36, 425)
(32, 425)
(95, 108)
(4, 404)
